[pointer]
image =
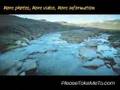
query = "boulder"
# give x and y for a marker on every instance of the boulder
(28, 65)
(105, 71)
(116, 68)
(95, 61)
(3, 48)
(22, 74)
(13, 71)
(22, 42)
(109, 62)
(106, 51)
(117, 60)
(31, 72)
(94, 64)
(91, 43)
(11, 59)
(87, 53)
(116, 44)
(5, 65)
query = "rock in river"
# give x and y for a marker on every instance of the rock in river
(87, 53)
(94, 64)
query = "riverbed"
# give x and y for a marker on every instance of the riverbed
(51, 55)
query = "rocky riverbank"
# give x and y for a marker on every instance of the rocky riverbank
(51, 55)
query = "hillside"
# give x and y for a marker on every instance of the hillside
(110, 24)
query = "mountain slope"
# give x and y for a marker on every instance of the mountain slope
(110, 24)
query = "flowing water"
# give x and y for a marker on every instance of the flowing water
(50, 55)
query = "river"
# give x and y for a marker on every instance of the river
(50, 55)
